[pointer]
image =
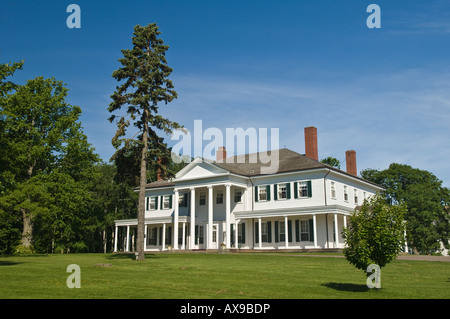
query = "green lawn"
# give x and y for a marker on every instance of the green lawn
(198, 276)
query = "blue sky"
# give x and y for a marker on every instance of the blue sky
(263, 64)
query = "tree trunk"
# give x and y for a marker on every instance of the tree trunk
(27, 229)
(142, 184)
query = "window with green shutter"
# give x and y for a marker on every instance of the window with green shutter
(303, 189)
(282, 191)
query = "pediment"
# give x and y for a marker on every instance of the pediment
(199, 168)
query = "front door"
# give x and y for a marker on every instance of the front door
(214, 236)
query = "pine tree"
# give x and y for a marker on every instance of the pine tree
(144, 76)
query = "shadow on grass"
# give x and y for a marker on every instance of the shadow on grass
(132, 256)
(346, 287)
(9, 263)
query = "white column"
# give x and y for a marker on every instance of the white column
(227, 215)
(115, 238)
(145, 236)
(404, 237)
(236, 234)
(259, 233)
(336, 230)
(345, 224)
(286, 237)
(183, 243)
(128, 239)
(315, 230)
(163, 246)
(175, 221)
(192, 221)
(210, 217)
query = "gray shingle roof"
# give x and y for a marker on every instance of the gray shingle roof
(288, 161)
(249, 165)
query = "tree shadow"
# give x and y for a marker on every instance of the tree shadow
(9, 263)
(346, 286)
(131, 256)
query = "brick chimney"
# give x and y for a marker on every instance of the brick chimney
(221, 154)
(159, 173)
(350, 159)
(311, 150)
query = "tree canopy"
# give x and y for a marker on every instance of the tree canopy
(375, 234)
(427, 201)
(55, 194)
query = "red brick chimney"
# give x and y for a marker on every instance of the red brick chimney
(311, 150)
(350, 159)
(221, 154)
(159, 173)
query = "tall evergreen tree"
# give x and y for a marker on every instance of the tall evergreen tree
(145, 83)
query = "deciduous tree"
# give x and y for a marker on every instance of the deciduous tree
(375, 234)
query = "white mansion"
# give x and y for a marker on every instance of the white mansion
(228, 203)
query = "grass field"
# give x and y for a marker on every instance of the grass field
(230, 276)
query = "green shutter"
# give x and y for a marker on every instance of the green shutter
(169, 235)
(297, 230)
(295, 190)
(170, 201)
(290, 230)
(243, 233)
(160, 235)
(275, 191)
(269, 232)
(256, 232)
(156, 202)
(288, 190)
(268, 192)
(196, 234)
(232, 234)
(309, 189)
(311, 230)
(162, 201)
(276, 231)
(256, 193)
(148, 200)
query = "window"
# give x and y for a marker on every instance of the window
(241, 233)
(167, 202)
(202, 199)
(302, 189)
(182, 200)
(214, 234)
(219, 197)
(282, 191)
(152, 203)
(264, 232)
(345, 193)
(333, 190)
(200, 234)
(152, 235)
(262, 193)
(237, 196)
(304, 230)
(356, 196)
(281, 231)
